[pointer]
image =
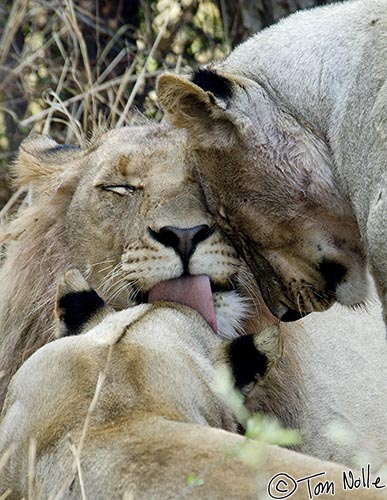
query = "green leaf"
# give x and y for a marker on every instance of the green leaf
(193, 481)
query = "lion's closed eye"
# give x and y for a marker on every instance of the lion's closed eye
(121, 189)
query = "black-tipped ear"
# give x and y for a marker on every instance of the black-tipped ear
(77, 305)
(202, 112)
(251, 357)
(211, 81)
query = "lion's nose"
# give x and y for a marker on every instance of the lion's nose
(333, 273)
(182, 240)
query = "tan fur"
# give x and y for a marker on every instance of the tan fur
(146, 433)
(71, 222)
(40, 250)
(292, 150)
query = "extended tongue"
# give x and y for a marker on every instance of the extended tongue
(192, 291)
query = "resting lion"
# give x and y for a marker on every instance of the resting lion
(129, 213)
(291, 133)
(149, 426)
(313, 383)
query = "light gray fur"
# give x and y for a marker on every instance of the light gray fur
(294, 152)
(328, 67)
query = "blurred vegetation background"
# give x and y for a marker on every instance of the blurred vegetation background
(70, 66)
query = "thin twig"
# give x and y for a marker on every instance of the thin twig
(85, 57)
(14, 198)
(128, 75)
(16, 17)
(6, 494)
(72, 123)
(30, 59)
(140, 77)
(6, 456)
(31, 468)
(59, 87)
(226, 26)
(77, 450)
(80, 97)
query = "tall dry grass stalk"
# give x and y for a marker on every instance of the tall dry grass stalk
(76, 449)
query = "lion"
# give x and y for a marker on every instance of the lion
(125, 425)
(127, 211)
(65, 225)
(290, 131)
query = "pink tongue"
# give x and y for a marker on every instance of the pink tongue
(192, 291)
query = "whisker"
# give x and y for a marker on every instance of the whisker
(110, 277)
(107, 261)
(136, 291)
(102, 270)
(246, 281)
(111, 291)
(118, 292)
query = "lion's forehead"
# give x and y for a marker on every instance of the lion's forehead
(144, 155)
(146, 141)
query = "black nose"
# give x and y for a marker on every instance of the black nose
(333, 273)
(182, 240)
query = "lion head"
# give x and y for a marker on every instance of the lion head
(269, 184)
(129, 213)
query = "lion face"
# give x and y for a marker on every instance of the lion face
(137, 217)
(129, 213)
(302, 258)
(269, 184)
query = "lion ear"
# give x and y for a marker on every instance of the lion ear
(77, 306)
(43, 162)
(200, 106)
(251, 357)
